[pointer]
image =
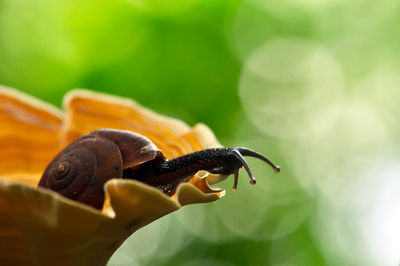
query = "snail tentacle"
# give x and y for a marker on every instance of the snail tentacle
(80, 171)
(167, 174)
(245, 165)
(251, 153)
(236, 180)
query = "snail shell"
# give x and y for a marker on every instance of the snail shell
(80, 171)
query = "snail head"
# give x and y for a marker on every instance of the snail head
(237, 161)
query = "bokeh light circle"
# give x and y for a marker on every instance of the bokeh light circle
(361, 225)
(285, 80)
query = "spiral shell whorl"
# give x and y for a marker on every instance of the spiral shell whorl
(71, 173)
(81, 169)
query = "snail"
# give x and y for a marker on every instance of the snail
(80, 171)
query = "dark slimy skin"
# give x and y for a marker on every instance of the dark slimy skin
(81, 169)
(167, 174)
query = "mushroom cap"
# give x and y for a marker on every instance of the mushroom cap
(40, 227)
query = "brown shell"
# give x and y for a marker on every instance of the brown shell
(40, 227)
(80, 171)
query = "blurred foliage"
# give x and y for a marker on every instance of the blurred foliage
(173, 58)
(312, 84)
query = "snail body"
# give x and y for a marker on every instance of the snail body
(80, 171)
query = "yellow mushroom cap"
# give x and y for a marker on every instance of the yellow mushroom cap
(41, 227)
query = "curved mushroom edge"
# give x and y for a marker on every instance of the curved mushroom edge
(126, 201)
(196, 190)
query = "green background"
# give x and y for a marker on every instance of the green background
(312, 84)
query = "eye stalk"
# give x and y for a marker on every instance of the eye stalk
(239, 152)
(80, 171)
(167, 174)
